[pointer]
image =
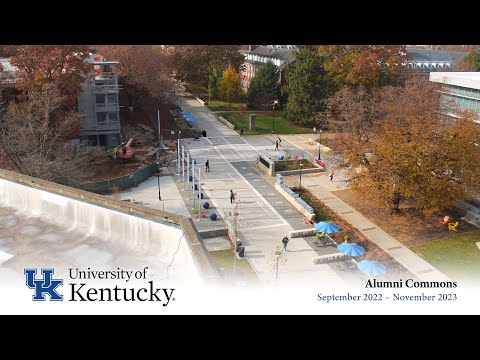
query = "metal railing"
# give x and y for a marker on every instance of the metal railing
(101, 107)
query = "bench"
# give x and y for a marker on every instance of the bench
(330, 258)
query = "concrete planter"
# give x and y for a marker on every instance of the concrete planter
(304, 171)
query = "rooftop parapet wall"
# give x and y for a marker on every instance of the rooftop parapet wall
(133, 226)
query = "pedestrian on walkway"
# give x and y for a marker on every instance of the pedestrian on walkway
(279, 140)
(207, 166)
(232, 196)
(285, 243)
(241, 132)
(331, 175)
(276, 146)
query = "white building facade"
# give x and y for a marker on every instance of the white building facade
(460, 89)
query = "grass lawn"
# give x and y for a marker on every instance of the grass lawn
(458, 256)
(223, 260)
(219, 105)
(264, 123)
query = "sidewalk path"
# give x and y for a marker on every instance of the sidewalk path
(321, 187)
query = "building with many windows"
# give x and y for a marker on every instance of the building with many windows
(427, 61)
(459, 89)
(259, 55)
(99, 105)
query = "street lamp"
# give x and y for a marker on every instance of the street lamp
(320, 145)
(278, 253)
(275, 102)
(300, 188)
(158, 157)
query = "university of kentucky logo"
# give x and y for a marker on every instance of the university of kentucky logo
(44, 285)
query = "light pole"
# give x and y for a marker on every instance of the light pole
(300, 188)
(320, 145)
(278, 253)
(275, 102)
(158, 157)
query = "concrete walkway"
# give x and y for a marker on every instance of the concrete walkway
(264, 217)
(322, 187)
(147, 194)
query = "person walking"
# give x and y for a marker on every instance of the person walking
(276, 146)
(279, 140)
(285, 243)
(232, 196)
(331, 175)
(241, 132)
(207, 166)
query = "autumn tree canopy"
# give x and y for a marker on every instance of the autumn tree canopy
(366, 65)
(193, 63)
(229, 85)
(63, 66)
(397, 144)
(144, 70)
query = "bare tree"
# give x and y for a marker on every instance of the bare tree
(144, 70)
(34, 134)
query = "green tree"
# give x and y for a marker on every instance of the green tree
(403, 148)
(366, 65)
(215, 74)
(264, 87)
(307, 85)
(229, 85)
(471, 62)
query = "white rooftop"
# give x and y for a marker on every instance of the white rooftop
(466, 79)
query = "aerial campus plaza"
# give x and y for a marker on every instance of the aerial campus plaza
(234, 183)
(51, 226)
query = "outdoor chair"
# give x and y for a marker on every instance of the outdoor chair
(445, 220)
(320, 235)
(453, 226)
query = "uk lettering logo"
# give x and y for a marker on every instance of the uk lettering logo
(46, 285)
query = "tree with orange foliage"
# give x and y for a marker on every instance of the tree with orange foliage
(366, 65)
(229, 84)
(399, 147)
(36, 126)
(61, 65)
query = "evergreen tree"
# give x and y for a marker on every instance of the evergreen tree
(215, 74)
(471, 62)
(264, 87)
(308, 85)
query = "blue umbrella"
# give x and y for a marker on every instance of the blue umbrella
(371, 267)
(351, 249)
(326, 227)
